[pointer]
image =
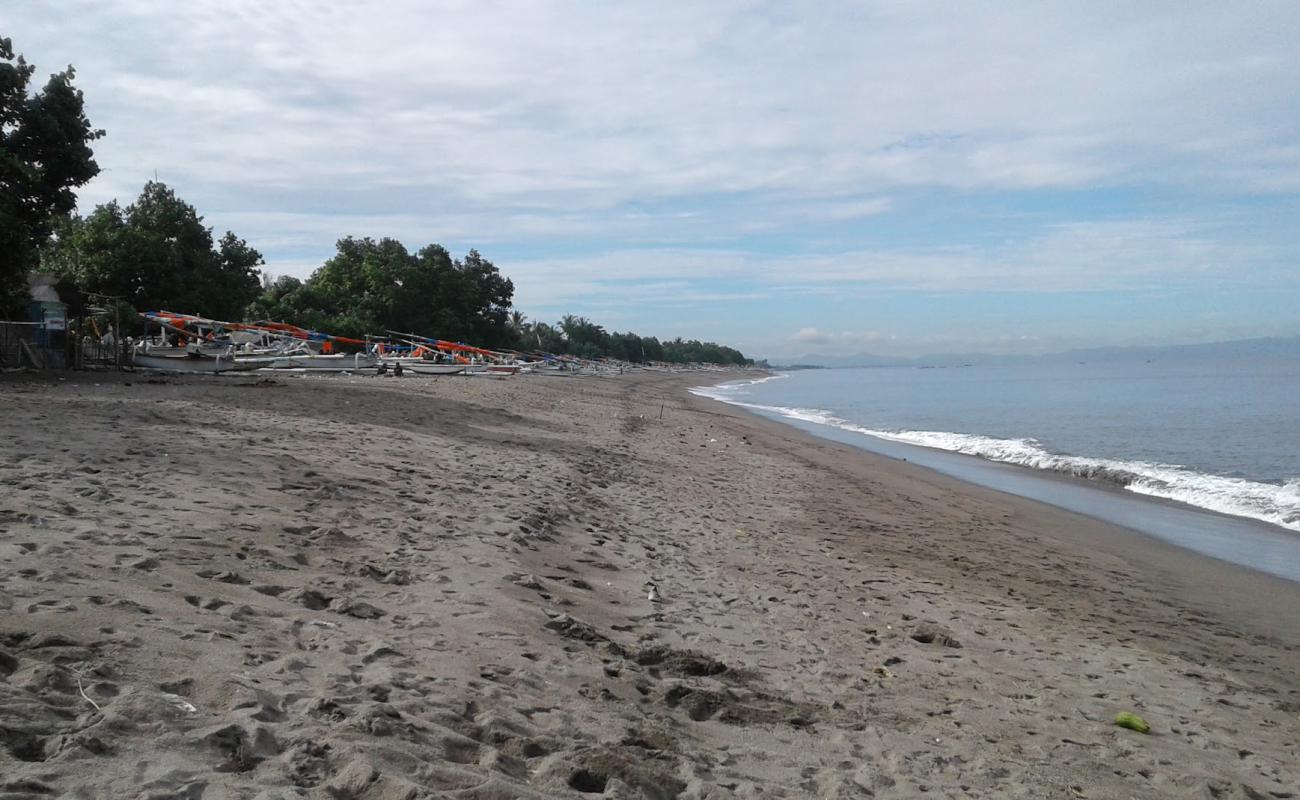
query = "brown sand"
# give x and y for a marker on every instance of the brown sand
(383, 588)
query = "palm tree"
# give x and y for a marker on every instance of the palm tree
(516, 323)
(569, 325)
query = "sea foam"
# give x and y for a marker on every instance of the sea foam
(1278, 504)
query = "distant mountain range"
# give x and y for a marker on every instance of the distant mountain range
(1272, 347)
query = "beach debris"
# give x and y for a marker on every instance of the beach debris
(180, 703)
(526, 581)
(1127, 719)
(931, 633)
(83, 693)
(653, 595)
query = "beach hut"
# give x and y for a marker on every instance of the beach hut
(49, 319)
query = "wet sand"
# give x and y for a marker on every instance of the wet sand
(384, 588)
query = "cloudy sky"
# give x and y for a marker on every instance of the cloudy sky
(829, 177)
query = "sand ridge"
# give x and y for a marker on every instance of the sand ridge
(383, 588)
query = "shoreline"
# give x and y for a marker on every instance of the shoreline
(1244, 541)
(1256, 593)
(367, 588)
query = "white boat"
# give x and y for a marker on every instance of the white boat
(419, 366)
(433, 368)
(190, 362)
(492, 369)
(314, 362)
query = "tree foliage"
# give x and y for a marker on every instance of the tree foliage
(579, 336)
(371, 287)
(157, 254)
(375, 286)
(44, 155)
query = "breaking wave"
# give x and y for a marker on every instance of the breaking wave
(1278, 504)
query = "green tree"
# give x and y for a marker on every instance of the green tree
(544, 337)
(485, 297)
(370, 287)
(157, 254)
(44, 155)
(579, 336)
(585, 337)
(517, 323)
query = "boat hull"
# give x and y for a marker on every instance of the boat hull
(493, 370)
(421, 367)
(200, 364)
(315, 363)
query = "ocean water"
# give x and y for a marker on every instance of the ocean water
(1217, 435)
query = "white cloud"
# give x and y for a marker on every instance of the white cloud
(717, 152)
(596, 104)
(1077, 257)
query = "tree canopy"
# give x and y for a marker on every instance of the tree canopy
(44, 155)
(375, 286)
(579, 336)
(156, 254)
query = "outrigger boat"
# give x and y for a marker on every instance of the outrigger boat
(317, 362)
(190, 343)
(258, 345)
(419, 366)
(493, 370)
(200, 355)
(425, 356)
(195, 359)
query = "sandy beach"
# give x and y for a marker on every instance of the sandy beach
(346, 588)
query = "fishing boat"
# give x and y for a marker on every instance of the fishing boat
(477, 371)
(429, 368)
(257, 345)
(420, 366)
(553, 372)
(493, 369)
(194, 359)
(317, 362)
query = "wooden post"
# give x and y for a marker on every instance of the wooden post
(117, 337)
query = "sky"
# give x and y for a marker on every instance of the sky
(835, 177)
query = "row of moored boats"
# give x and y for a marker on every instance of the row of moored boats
(186, 343)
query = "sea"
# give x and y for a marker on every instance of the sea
(1204, 453)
